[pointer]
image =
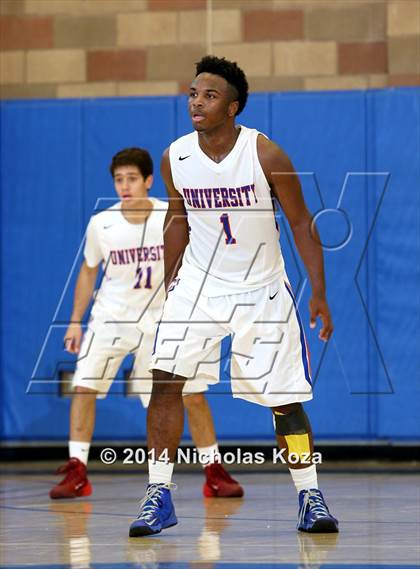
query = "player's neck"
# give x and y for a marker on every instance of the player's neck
(219, 142)
(136, 211)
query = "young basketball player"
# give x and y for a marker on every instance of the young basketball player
(127, 239)
(223, 258)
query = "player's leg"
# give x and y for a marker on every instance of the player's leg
(82, 422)
(201, 425)
(218, 483)
(185, 338)
(276, 374)
(200, 421)
(97, 366)
(165, 421)
(294, 438)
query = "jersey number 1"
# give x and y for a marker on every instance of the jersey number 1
(148, 283)
(229, 239)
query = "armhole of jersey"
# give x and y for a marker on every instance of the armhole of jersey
(257, 160)
(93, 224)
(171, 164)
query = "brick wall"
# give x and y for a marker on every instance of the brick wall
(107, 48)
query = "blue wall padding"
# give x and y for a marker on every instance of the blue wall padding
(395, 284)
(357, 155)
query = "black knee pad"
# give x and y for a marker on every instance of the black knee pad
(294, 423)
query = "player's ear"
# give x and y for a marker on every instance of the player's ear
(233, 108)
(149, 181)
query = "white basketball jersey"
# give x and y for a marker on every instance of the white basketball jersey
(132, 259)
(234, 239)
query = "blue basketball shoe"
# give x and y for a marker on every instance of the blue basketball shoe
(314, 515)
(157, 511)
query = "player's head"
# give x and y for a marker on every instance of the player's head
(132, 171)
(218, 93)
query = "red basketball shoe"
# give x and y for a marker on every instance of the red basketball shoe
(75, 483)
(219, 484)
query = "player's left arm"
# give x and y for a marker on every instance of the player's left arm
(285, 185)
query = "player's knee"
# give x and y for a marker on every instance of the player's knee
(291, 420)
(165, 383)
(78, 390)
(193, 400)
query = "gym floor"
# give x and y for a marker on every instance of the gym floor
(378, 512)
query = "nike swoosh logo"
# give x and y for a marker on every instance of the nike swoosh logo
(274, 296)
(183, 157)
(108, 226)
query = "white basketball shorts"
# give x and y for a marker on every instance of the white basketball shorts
(107, 342)
(269, 358)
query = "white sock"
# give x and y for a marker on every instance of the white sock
(304, 478)
(160, 472)
(80, 450)
(209, 455)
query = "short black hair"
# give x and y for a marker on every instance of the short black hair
(133, 157)
(230, 71)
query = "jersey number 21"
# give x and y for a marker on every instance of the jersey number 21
(147, 281)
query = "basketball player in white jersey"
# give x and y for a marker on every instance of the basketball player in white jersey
(225, 275)
(127, 239)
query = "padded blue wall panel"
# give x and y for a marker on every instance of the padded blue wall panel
(109, 126)
(324, 135)
(41, 213)
(395, 130)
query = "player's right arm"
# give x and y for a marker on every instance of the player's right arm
(175, 229)
(82, 296)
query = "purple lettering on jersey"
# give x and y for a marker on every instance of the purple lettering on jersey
(121, 257)
(132, 253)
(208, 194)
(152, 251)
(238, 193)
(253, 191)
(233, 197)
(114, 257)
(187, 197)
(216, 198)
(217, 202)
(246, 190)
(145, 253)
(225, 197)
(194, 198)
(203, 205)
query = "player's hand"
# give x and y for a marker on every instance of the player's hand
(318, 308)
(73, 338)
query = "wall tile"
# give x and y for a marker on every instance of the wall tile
(146, 29)
(23, 32)
(263, 25)
(354, 58)
(56, 66)
(305, 58)
(403, 18)
(121, 65)
(85, 32)
(254, 58)
(12, 67)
